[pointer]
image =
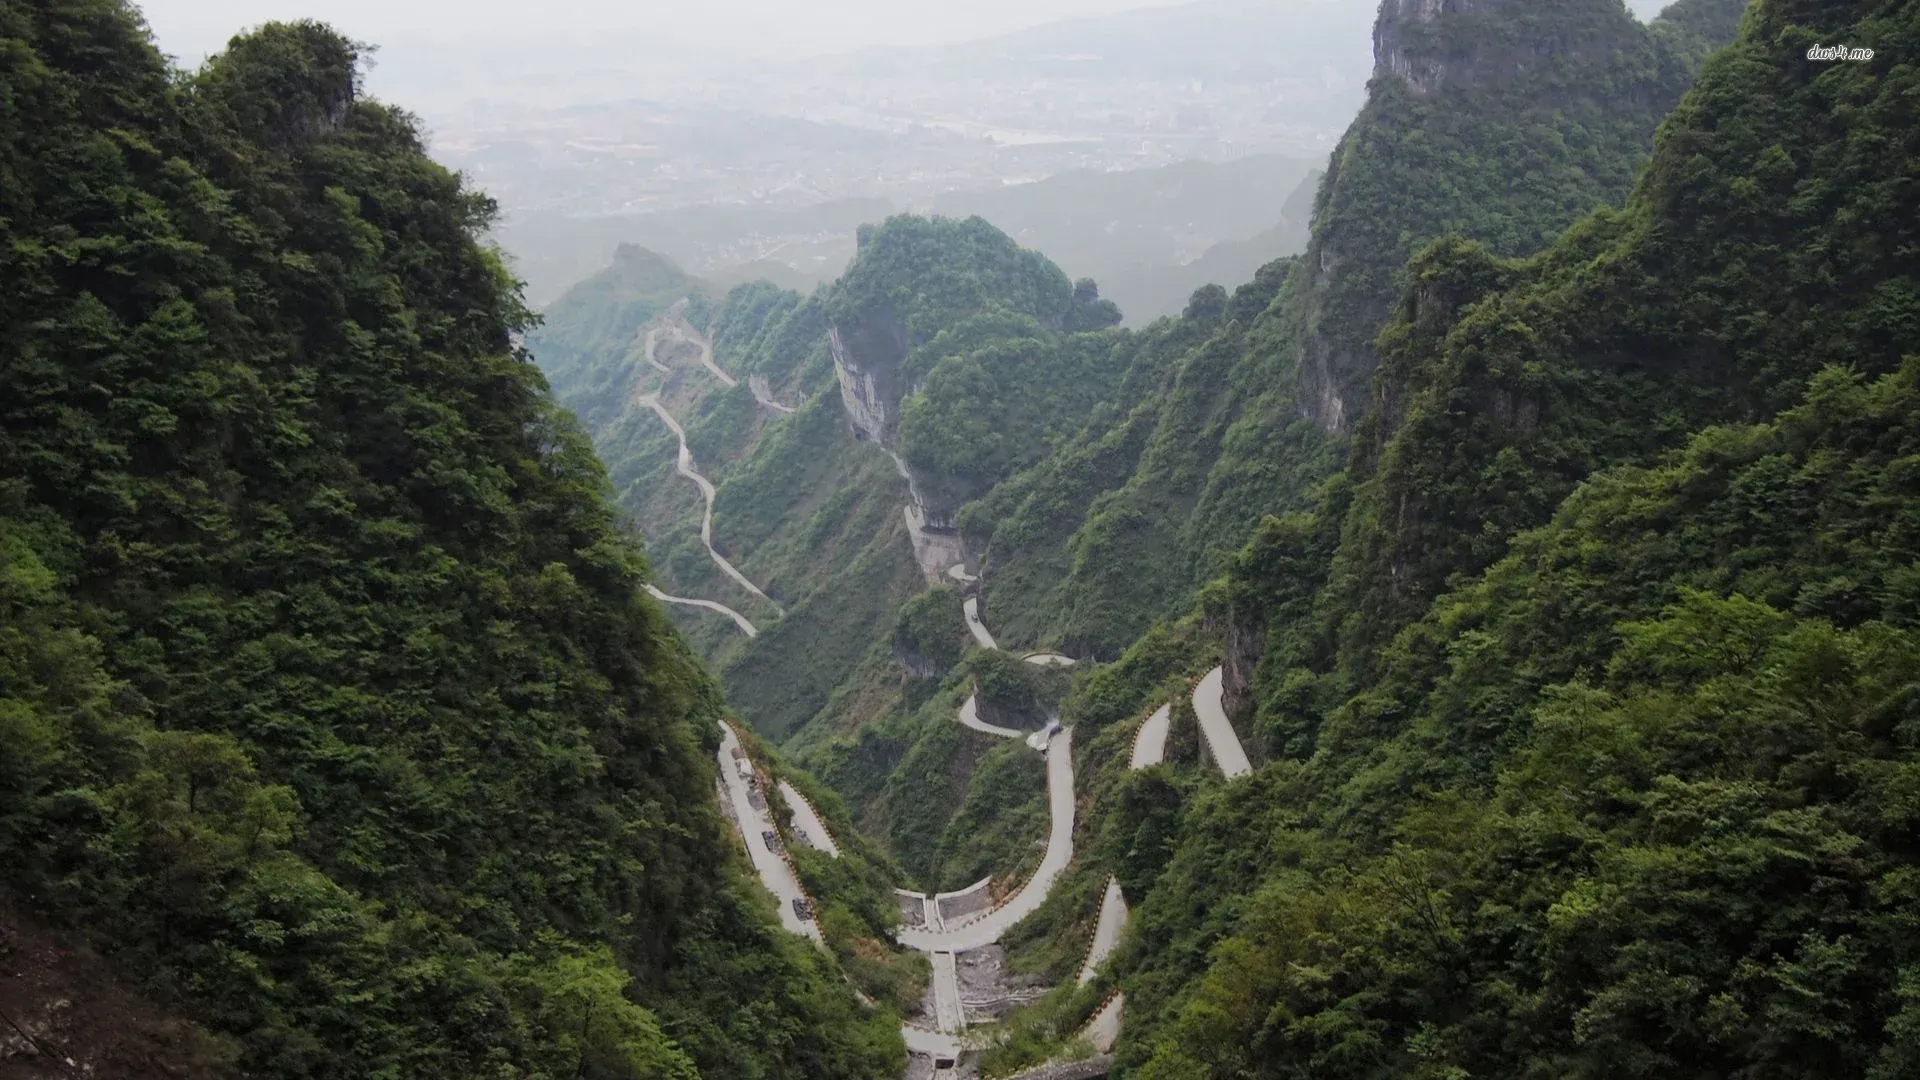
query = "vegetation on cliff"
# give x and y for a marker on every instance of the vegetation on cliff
(330, 710)
(1593, 751)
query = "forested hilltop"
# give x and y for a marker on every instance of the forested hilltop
(336, 737)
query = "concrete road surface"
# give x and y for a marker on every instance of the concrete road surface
(807, 821)
(1106, 932)
(970, 716)
(746, 627)
(772, 870)
(987, 930)
(1214, 727)
(975, 626)
(1150, 745)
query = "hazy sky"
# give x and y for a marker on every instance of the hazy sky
(190, 28)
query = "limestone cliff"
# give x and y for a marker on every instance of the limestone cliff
(1467, 96)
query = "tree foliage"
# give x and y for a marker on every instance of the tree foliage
(329, 707)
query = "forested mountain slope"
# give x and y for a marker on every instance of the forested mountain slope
(1093, 477)
(1589, 686)
(331, 715)
(1501, 121)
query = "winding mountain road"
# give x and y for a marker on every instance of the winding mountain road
(1210, 705)
(745, 624)
(974, 626)
(652, 343)
(970, 716)
(940, 941)
(686, 469)
(682, 329)
(988, 928)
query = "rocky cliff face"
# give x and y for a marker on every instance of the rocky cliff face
(866, 359)
(1468, 94)
(1431, 44)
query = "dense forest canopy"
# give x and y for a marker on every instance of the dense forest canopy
(330, 710)
(1553, 524)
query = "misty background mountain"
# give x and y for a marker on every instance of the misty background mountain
(1155, 150)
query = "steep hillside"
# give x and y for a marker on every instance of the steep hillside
(1092, 478)
(332, 721)
(1087, 558)
(1601, 770)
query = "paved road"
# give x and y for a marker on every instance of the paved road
(677, 325)
(653, 341)
(772, 869)
(958, 572)
(930, 1043)
(1104, 1029)
(1214, 726)
(1150, 744)
(746, 625)
(807, 821)
(988, 929)
(1051, 659)
(970, 716)
(1106, 932)
(948, 1012)
(975, 626)
(686, 469)
(1149, 748)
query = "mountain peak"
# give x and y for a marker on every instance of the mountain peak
(1428, 44)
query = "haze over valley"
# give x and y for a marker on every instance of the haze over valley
(1032, 540)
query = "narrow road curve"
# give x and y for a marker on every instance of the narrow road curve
(1149, 749)
(746, 626)
(686, 469)
(678, 326)
(989, 928)
(653, 340)
(762, 394)
(754, 824)
(975, 626)
(682, 329)
(1150, 743)
(807, 821)
(1225, 746)
(970, 716)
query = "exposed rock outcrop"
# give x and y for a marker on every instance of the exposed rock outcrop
(867, 358)
(1467, 94)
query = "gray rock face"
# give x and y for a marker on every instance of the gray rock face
(866, 360)
(1428, 44)
(1407, 44)
(1430, 47)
